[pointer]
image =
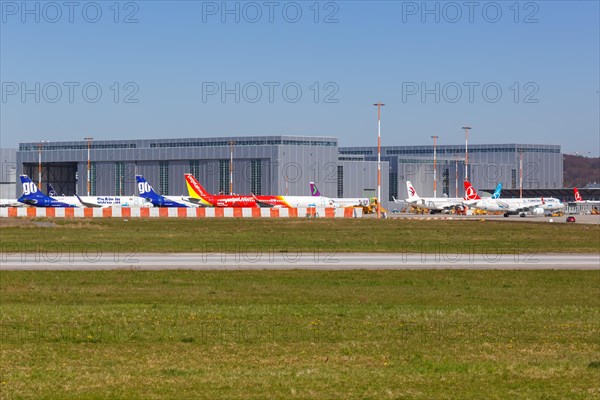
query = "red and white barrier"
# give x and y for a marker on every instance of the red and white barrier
(229, 212)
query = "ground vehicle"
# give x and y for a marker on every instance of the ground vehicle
(571, 219)
(372, 207)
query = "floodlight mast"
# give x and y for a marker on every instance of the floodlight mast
(379, 105)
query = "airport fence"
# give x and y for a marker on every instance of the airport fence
(200, 212)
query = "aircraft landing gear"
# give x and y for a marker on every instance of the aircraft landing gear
(506, 215)
(522, 215)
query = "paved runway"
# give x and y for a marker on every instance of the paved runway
(289, 261)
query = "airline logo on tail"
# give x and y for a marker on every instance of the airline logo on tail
(577, 195)
(412, 193)
(147, 192)
(29, 188)
(314, 191)
(196, 191)
(144, 187)
(51, 191)
(497, 192)
(32, 196)
(470, 193)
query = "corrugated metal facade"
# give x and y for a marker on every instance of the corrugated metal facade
(285, 164)
(488, 165)
(8, 171)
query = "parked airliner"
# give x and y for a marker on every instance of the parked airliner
(34, 197)
(521, 207)
(341, 202)
(434, 204)
(147, 192)
(580, 200)
(196, 191)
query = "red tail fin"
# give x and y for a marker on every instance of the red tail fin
(195, 186)
(470, 193)
(577, 195)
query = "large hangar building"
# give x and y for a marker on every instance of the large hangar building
(284, 165)
(541, 166)
(261, 165)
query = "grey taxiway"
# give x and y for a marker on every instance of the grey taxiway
(295, 260)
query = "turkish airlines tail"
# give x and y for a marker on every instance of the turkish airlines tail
(470, 193)
(577, 195)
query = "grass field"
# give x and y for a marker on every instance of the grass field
(360, 235)
(300, 334)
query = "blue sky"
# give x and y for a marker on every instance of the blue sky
(526, 73)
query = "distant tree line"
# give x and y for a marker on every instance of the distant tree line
(580, 170)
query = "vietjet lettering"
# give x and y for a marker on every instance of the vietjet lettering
(196, 187)
(236, 199)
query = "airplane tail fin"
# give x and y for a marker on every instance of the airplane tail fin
(195, 189)
(470, 193)
(145, 189)
(497, 192)
(577, 195)
(412, 193)
(31, 194)
(51, 191)
(314, 191)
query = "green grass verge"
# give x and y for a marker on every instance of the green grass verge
(300, 334)
(366, 235)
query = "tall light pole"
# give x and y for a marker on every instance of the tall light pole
(379, 105)
(231, 144)
(434, 165)
(521, 173)
(466, 128)
(89, 164)
(456, 177)
(40, 165)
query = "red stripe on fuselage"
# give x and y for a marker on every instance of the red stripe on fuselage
(231, 201)
(245, 201)
(273, 200)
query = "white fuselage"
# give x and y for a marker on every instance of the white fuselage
(10, 203)
(435, 203)
(351, 202)
(595, 202)
(105, 201)
(183, 200)
(552, 204)
(509, 205)
(307, 201)
(513, 206)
